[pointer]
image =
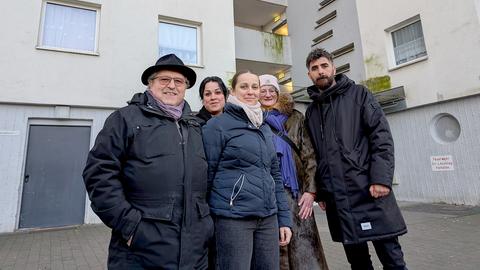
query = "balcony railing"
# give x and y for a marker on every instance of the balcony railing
(391, 100)
(260, 46)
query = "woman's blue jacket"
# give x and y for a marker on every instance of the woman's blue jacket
(244, 178)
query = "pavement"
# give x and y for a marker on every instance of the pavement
(440, 237)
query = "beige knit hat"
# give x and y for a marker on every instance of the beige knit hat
(267, 79)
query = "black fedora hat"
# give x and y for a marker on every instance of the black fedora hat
(170, 62)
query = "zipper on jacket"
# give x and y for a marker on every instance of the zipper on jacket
(179, 129)
(274, 190)
(321, 121)
(262, 141)
(234, 194)
(335, 137)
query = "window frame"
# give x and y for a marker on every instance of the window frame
(72, 4)
(325, 19)
(184, 23)
(392, 61)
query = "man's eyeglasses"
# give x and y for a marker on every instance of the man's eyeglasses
(165, 80)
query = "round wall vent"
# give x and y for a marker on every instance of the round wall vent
(445, 128)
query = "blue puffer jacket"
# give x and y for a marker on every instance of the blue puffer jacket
(243, 171)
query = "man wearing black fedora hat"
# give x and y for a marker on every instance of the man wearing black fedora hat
(146, 176)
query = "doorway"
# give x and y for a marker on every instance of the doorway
(53, 189)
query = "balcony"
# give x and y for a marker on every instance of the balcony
(257, 13)
(301, 96)
(391, 100)
(262, 52)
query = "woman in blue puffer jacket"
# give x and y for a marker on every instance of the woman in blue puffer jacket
(246, 194)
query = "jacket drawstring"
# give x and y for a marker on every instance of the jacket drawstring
(334, 121)
(321, 121)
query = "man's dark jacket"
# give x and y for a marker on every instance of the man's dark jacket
(243, 169)
(354, 150)
(147, 181)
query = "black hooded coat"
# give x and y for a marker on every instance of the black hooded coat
(354, 149)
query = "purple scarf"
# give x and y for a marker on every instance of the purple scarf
(284, 151)
(174, 111)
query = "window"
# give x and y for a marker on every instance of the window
(343, 50)
(180, 39)
(343, 68)
(69, 27)
(408, 43)
(287, 84)
(322, 37)
(330, 16)
(325, 3)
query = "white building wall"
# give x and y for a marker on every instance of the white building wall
(34, 81)
(128, 38)
(447, 81)
(477, 6)
(452, 38)
(345, 31)
(414, 145)
(301, 17)
(13, 148)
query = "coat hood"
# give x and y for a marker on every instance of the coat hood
(138, 98)
(204, 114)
(343, 83)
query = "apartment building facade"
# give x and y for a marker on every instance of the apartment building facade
(421, 60)
(262, 41)
(66, 65)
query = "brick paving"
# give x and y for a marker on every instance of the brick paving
(83, 247)
(440, 237)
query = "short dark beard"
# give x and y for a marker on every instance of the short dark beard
(324, 86)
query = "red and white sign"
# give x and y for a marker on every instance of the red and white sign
(442, 163)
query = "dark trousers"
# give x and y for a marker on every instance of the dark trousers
(247, 243)
(389, 253)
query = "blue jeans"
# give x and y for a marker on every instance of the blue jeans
(247, 243)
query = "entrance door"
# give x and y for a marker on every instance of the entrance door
(53, 189)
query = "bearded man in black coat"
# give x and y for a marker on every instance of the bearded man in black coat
(355, 158)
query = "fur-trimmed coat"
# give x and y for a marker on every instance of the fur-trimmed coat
(305, 250)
